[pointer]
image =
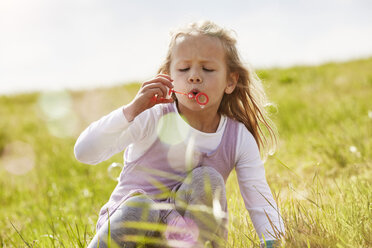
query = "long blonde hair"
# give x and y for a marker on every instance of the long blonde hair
(247, 102)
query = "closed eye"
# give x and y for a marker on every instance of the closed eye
(207, 70)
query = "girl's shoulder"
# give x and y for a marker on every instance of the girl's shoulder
(242, 129)
(244, 137)
(247, 151)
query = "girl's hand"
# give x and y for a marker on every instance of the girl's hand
(152, 92)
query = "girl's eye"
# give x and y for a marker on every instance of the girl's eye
(207, 70)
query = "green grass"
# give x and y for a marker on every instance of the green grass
(321, 174)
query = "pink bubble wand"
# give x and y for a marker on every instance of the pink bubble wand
(201, 98)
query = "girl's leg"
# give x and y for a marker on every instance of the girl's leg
(202, 199)
(136, 209)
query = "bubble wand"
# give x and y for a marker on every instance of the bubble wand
(201, 98)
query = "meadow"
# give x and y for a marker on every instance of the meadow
(320, 175)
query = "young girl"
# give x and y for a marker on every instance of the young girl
(180, 150)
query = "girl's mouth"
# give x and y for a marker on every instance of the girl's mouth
(200, 97)
(193, 93)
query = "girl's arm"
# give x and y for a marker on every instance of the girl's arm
(111, 134)
(114, 132)
(255, 191)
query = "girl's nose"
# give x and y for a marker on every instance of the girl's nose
(195, 79)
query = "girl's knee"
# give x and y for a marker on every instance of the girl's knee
(136, 209)
(139, 198)
(206, 184)
(139, 207)
(204, 174)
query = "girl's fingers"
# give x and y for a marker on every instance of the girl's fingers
(165, 76)
(159, 86)
(156, 99)
(162, 79)
(154, 92)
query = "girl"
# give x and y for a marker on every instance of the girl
(180, 150)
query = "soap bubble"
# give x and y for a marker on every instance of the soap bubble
(174, 156)
(63, 127)
(55, 105)
(86, 193)
(354, 150)
(172, 129)
(18, 158)
(271, 108)
(114, 171)
(192, 156)
(91, 106)
(56, 110)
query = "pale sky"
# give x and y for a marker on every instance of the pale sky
(78, 44)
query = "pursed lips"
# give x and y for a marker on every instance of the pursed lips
(194, 91)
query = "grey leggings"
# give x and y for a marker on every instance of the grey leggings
(201, 198)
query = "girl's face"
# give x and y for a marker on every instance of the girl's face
(198, 65)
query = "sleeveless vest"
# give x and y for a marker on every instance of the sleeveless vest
(154, 174)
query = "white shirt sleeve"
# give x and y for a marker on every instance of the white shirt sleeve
(112, 134)
(255, 191)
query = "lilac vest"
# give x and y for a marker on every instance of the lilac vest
(152, 174)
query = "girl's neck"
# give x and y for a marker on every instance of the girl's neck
(206, 120)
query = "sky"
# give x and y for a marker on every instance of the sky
(82, 44)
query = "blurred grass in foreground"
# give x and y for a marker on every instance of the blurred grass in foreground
(321, 174)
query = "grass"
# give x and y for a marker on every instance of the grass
(321, 174)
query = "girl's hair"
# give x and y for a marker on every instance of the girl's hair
(248, 101)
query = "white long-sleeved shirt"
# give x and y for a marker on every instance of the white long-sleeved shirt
(113, 134)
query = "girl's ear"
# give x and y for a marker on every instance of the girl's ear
(232, 82)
